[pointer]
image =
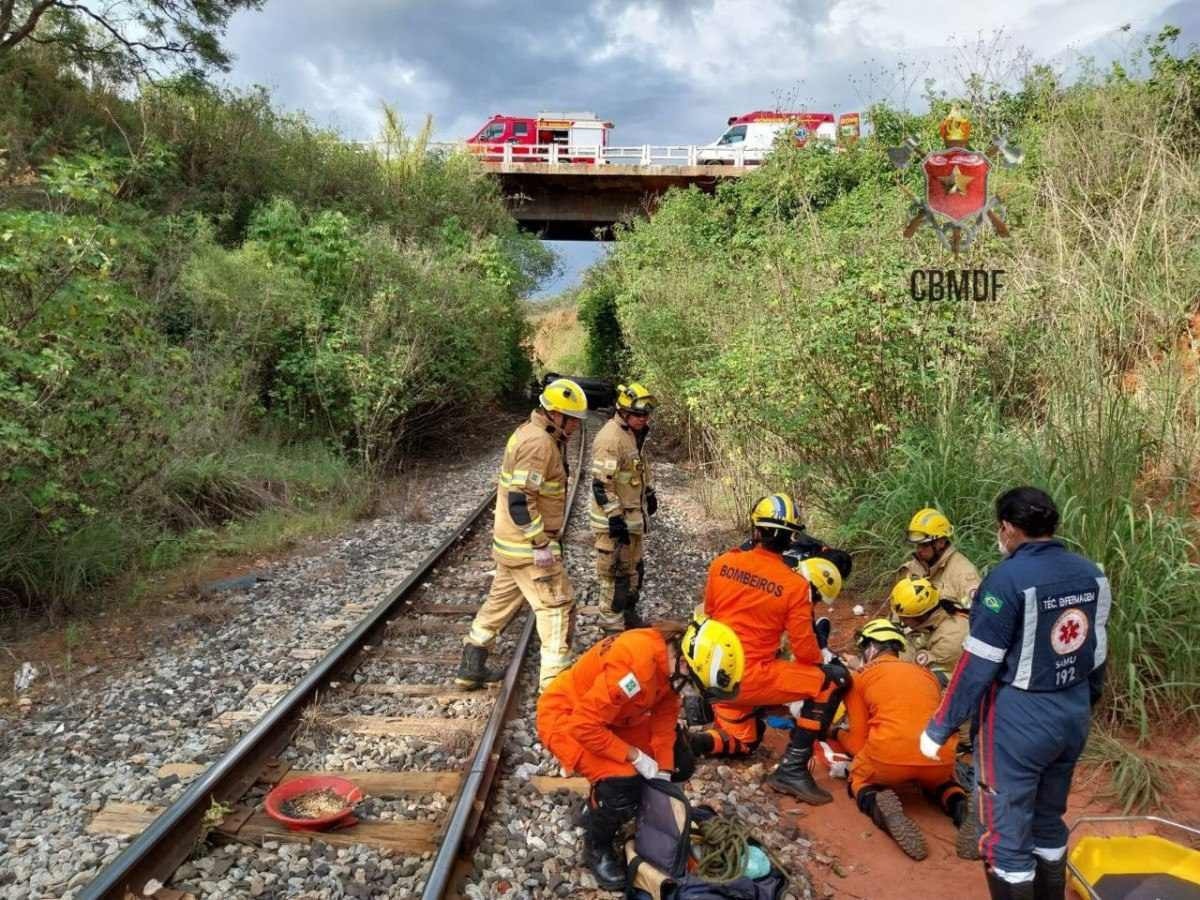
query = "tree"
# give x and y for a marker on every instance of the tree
(125, 38)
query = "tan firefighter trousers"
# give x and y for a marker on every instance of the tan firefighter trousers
(619, 576)
(549, 593)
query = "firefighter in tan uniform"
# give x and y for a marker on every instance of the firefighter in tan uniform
(935, 558)
(622, 502)
(530, 512)
(935, 628)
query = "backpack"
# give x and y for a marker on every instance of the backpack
(657, 855)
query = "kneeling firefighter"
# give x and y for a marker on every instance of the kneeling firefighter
(761, 597)
(612, 716)
(887, 706)
(623, 500)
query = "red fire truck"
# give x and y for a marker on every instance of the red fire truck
(543, 137)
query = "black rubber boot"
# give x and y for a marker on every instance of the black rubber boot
(630, 613)
(888, 813)
(473, 672)
(614, 802)
(791, 776)
(1050, 879)
(701, 743)
(999, 889)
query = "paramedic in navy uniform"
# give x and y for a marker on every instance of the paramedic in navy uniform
(1032, 668)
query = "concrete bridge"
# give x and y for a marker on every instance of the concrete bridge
(581, 202)
(579, 193)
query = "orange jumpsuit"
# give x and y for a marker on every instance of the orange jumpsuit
(888, 705)
(617, 695)
(757, 594)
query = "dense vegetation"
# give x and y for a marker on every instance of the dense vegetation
(775, 319)
(209, 309)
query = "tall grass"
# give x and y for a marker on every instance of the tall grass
(1088, 455)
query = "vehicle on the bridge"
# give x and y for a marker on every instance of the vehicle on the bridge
(750, 136)
(549, 136)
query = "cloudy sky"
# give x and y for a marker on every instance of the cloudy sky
(664, 71)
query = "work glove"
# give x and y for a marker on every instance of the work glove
(828, 656)
(929, 747)
(619, 529)
(543, 557)
(646, 766)
(651, 502)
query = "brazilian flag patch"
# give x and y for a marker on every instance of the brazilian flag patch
(992, 602)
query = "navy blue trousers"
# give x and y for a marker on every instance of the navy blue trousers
(1025, 755)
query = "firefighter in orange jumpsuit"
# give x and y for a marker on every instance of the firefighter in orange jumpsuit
(760, 596)
(888, 704)
(612, 717)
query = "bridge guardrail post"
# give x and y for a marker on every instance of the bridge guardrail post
(739, 158)
(645, 154)
(691, 153)
(553, 157)
(507, 156)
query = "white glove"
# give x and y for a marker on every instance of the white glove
(796, 708)
(840, 768)
(929, 747)
(543, 557)
(663, 775)
(645, 765)
(827, 655)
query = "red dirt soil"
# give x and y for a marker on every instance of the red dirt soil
(854, 859)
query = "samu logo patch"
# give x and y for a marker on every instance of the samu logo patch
(992, 602)
(629, 685)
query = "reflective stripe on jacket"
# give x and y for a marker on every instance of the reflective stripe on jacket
(531, 494)
(620, 477)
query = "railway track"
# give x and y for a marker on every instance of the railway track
(395, 657)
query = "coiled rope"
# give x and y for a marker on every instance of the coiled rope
(726, 846)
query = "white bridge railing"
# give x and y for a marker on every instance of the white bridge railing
(567, 155)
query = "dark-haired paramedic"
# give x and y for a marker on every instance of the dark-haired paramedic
(1033, 667)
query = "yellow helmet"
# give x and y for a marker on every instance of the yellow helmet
(714, 653)
(635, 398)
(822, 575)
(928, 525)
(914, 597)
(880, 630)
(776, 511)
(565, 396)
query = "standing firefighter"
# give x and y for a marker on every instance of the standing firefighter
(622, 502)
(611, 717)
(761, 597)
(530, 512)
(887, 706)
(1033, 668)
(935, 558)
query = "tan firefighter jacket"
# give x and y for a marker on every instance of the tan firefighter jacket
(620, 477)
(937, 643)
(954, 576)
(531, 497)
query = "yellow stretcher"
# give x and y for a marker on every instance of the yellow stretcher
(1128, 867)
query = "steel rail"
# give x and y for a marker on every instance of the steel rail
(167, 842)
(468, 805)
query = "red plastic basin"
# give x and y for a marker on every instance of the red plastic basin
(289, 790)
